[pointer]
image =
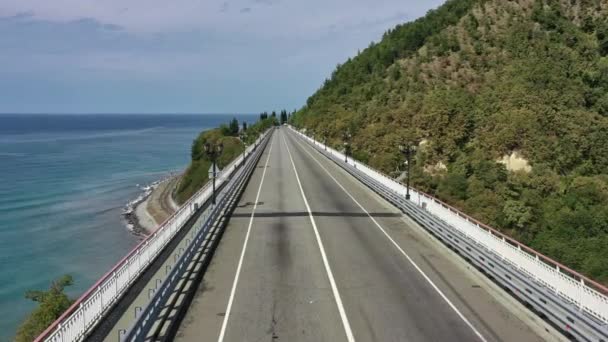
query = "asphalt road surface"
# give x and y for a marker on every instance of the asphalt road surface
(310, 254)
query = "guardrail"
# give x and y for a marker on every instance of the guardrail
(86, 312)
(165, 291)
(568, 291)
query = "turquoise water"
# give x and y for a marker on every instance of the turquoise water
(64, 180)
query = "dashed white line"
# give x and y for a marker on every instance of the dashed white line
(240, 264)
(332, 281)
(441, 294)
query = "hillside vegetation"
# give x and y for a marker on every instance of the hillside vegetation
(507, 102)
(51, 305)
(197, 174)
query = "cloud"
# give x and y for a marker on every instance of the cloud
(187, 45)
(19, 16)
(224, 7)
(265, 2)
(153, 16)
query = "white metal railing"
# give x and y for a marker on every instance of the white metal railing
(93, 304)
(570, 285)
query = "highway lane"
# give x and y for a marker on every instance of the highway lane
(282, 289)
(327, 260)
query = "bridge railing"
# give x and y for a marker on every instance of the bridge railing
(152, 319)
(86, 312)
(574, 287)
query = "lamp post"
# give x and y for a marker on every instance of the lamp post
(213, 152)
(346, 137)
(243, 139)
(407, 149)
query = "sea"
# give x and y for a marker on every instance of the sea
(64, 182)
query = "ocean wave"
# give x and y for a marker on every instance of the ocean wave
(107, 210)
(30, 138)
(146, 190)
(61, 193)
(26, 204)
(12, 154)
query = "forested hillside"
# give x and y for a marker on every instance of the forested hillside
(507, 104)
(230, 135)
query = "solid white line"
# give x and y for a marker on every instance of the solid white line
(332, 281)
(238, 269)
(466, 321)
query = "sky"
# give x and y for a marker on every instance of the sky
(181, 56)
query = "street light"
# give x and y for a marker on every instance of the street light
(244, 139)
(213, 152)
(407, 150)
(346, 137)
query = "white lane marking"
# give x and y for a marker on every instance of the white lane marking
(238, 268)
(330, 275)
(466, 321)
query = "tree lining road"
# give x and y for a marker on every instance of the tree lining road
(314, 266)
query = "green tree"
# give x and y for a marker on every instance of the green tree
(517, 214)
(51, 305)
(233, 127)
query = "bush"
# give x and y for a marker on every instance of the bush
(52, 304)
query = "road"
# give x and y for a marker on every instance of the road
(160, 203)
(310, 254)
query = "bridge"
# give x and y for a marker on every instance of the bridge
(306, 244)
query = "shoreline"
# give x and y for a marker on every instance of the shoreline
(153, 206)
